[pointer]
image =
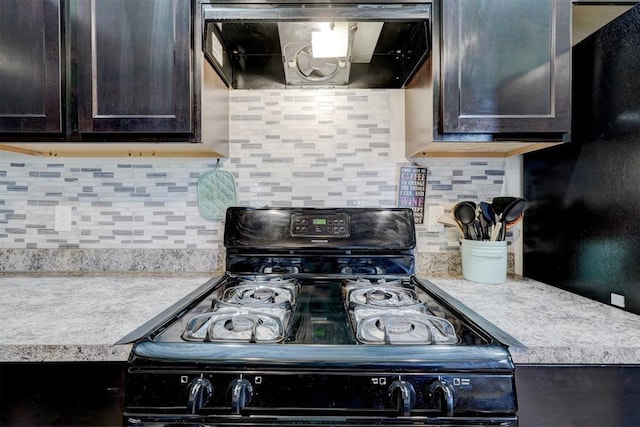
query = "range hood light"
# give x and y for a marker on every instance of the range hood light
(332, 41)
(365, 41)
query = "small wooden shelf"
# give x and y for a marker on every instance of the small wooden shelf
(480, 149)
(121, 149)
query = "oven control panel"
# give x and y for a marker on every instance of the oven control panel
(211, 396)
(320, 225)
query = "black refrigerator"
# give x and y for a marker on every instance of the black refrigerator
(582, 227)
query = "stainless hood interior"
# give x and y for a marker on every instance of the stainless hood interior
(264, 46)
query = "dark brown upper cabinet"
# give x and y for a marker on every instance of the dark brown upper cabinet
(30, 68)
(506, 67)
(133, 66)
(85, 70)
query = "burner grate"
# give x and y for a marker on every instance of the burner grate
(255, 309)
(390, 312)
(400, 327)
(240, 326)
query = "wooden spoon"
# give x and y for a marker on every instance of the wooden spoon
(448, 219)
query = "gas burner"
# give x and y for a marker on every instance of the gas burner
(363, 297)
(365, 302)
(240, 326)
(259, 295)
(360, 283)
(257, 291)
(382, 296)
(400, 327)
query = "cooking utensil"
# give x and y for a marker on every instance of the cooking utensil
(465, 213)
(510, 214)
(515, 234)
(489, 218)
(499, 204)
(448, 219)
(515, 222)
(476, 226)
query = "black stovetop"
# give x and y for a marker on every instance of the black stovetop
(309, 359)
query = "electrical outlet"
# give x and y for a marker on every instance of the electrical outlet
(62, 218)
(433, 213)
(617, 300)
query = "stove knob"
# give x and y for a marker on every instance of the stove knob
(200, 391)
(403, 396)
(443, 397)
(241, 392)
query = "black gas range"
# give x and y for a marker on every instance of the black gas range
(319, 320)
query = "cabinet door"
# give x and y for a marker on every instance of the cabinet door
(134, 66)
(506, 66)
(30, 88)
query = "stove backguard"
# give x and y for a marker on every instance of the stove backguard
(319, 241)
(282, 230)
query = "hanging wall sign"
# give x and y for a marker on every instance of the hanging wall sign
(411, 190)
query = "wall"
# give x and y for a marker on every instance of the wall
(326, 148)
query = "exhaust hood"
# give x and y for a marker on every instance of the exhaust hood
(316, 45)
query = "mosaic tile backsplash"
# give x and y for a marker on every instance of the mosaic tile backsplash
(289, 148)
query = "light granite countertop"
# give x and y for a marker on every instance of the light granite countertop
(79, 317)
(557, 327)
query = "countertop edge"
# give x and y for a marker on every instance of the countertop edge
(18, 353)
(595, 355)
